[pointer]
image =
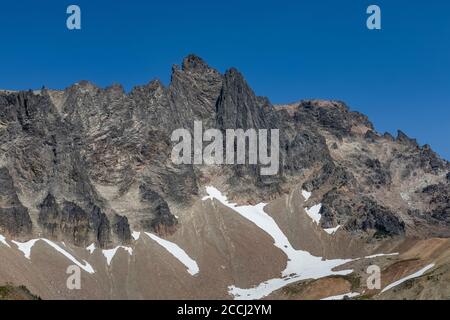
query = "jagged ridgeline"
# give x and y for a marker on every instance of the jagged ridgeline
(88, 164)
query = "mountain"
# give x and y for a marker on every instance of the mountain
(88, 167)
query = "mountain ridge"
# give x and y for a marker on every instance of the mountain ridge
(91, 164)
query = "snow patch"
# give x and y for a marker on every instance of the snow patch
(381, 255)
(86, 266)
(91, 248)
(342, 296)
(306, 194)
(136, 235)
(332, 231)
(314, 214)
(177, 252)
(3, 240)
(26, 247)
(412, 276)
(109, 254)
(301, 264)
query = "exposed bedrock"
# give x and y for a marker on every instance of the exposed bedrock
(89, 164)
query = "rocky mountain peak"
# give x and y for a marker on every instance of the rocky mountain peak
(193, 63)
(238, 106)
(90, 165)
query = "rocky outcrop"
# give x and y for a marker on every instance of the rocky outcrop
(159, 217)
(71, 222)
(14, 217)
(372, 216)
(359, 214)
(121, 228)
(237, 106)
(438, 200)
(193, 93)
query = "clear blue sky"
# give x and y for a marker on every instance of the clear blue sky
(287, 50)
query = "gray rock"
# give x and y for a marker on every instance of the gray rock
(372, 216)
(59, 151)
(160, 219)
(14, 217)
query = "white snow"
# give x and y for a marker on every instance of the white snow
(301, 264)
(314, 214)
(26, 247)
(332, 230)
(412, 276)
(177, 252)
(381, 255)
(3, 240)
(91, 248)
(306, 194)
(86, 266)
(136, 235)
(342, 296)
(109, 254)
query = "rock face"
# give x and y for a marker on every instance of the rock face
(159, 217)
(72, 222)
(90, 165)
(14, 217)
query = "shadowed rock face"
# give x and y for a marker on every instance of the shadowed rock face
(120, 227)
(72, 222)
(159, 217)
(89, 165)
(372, 216)
(237, 106)
(14, 217)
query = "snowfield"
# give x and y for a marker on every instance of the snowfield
(91, 248)
(301, 264)
(3, 240)
(306, 194)
(136, 235)
(332, 231)
(314, 214)
(342, 296)
(109, 254)
(381, 255)
(412, 276)
(27, 246)
(172, 248)
(86, 266)
(177, 252)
